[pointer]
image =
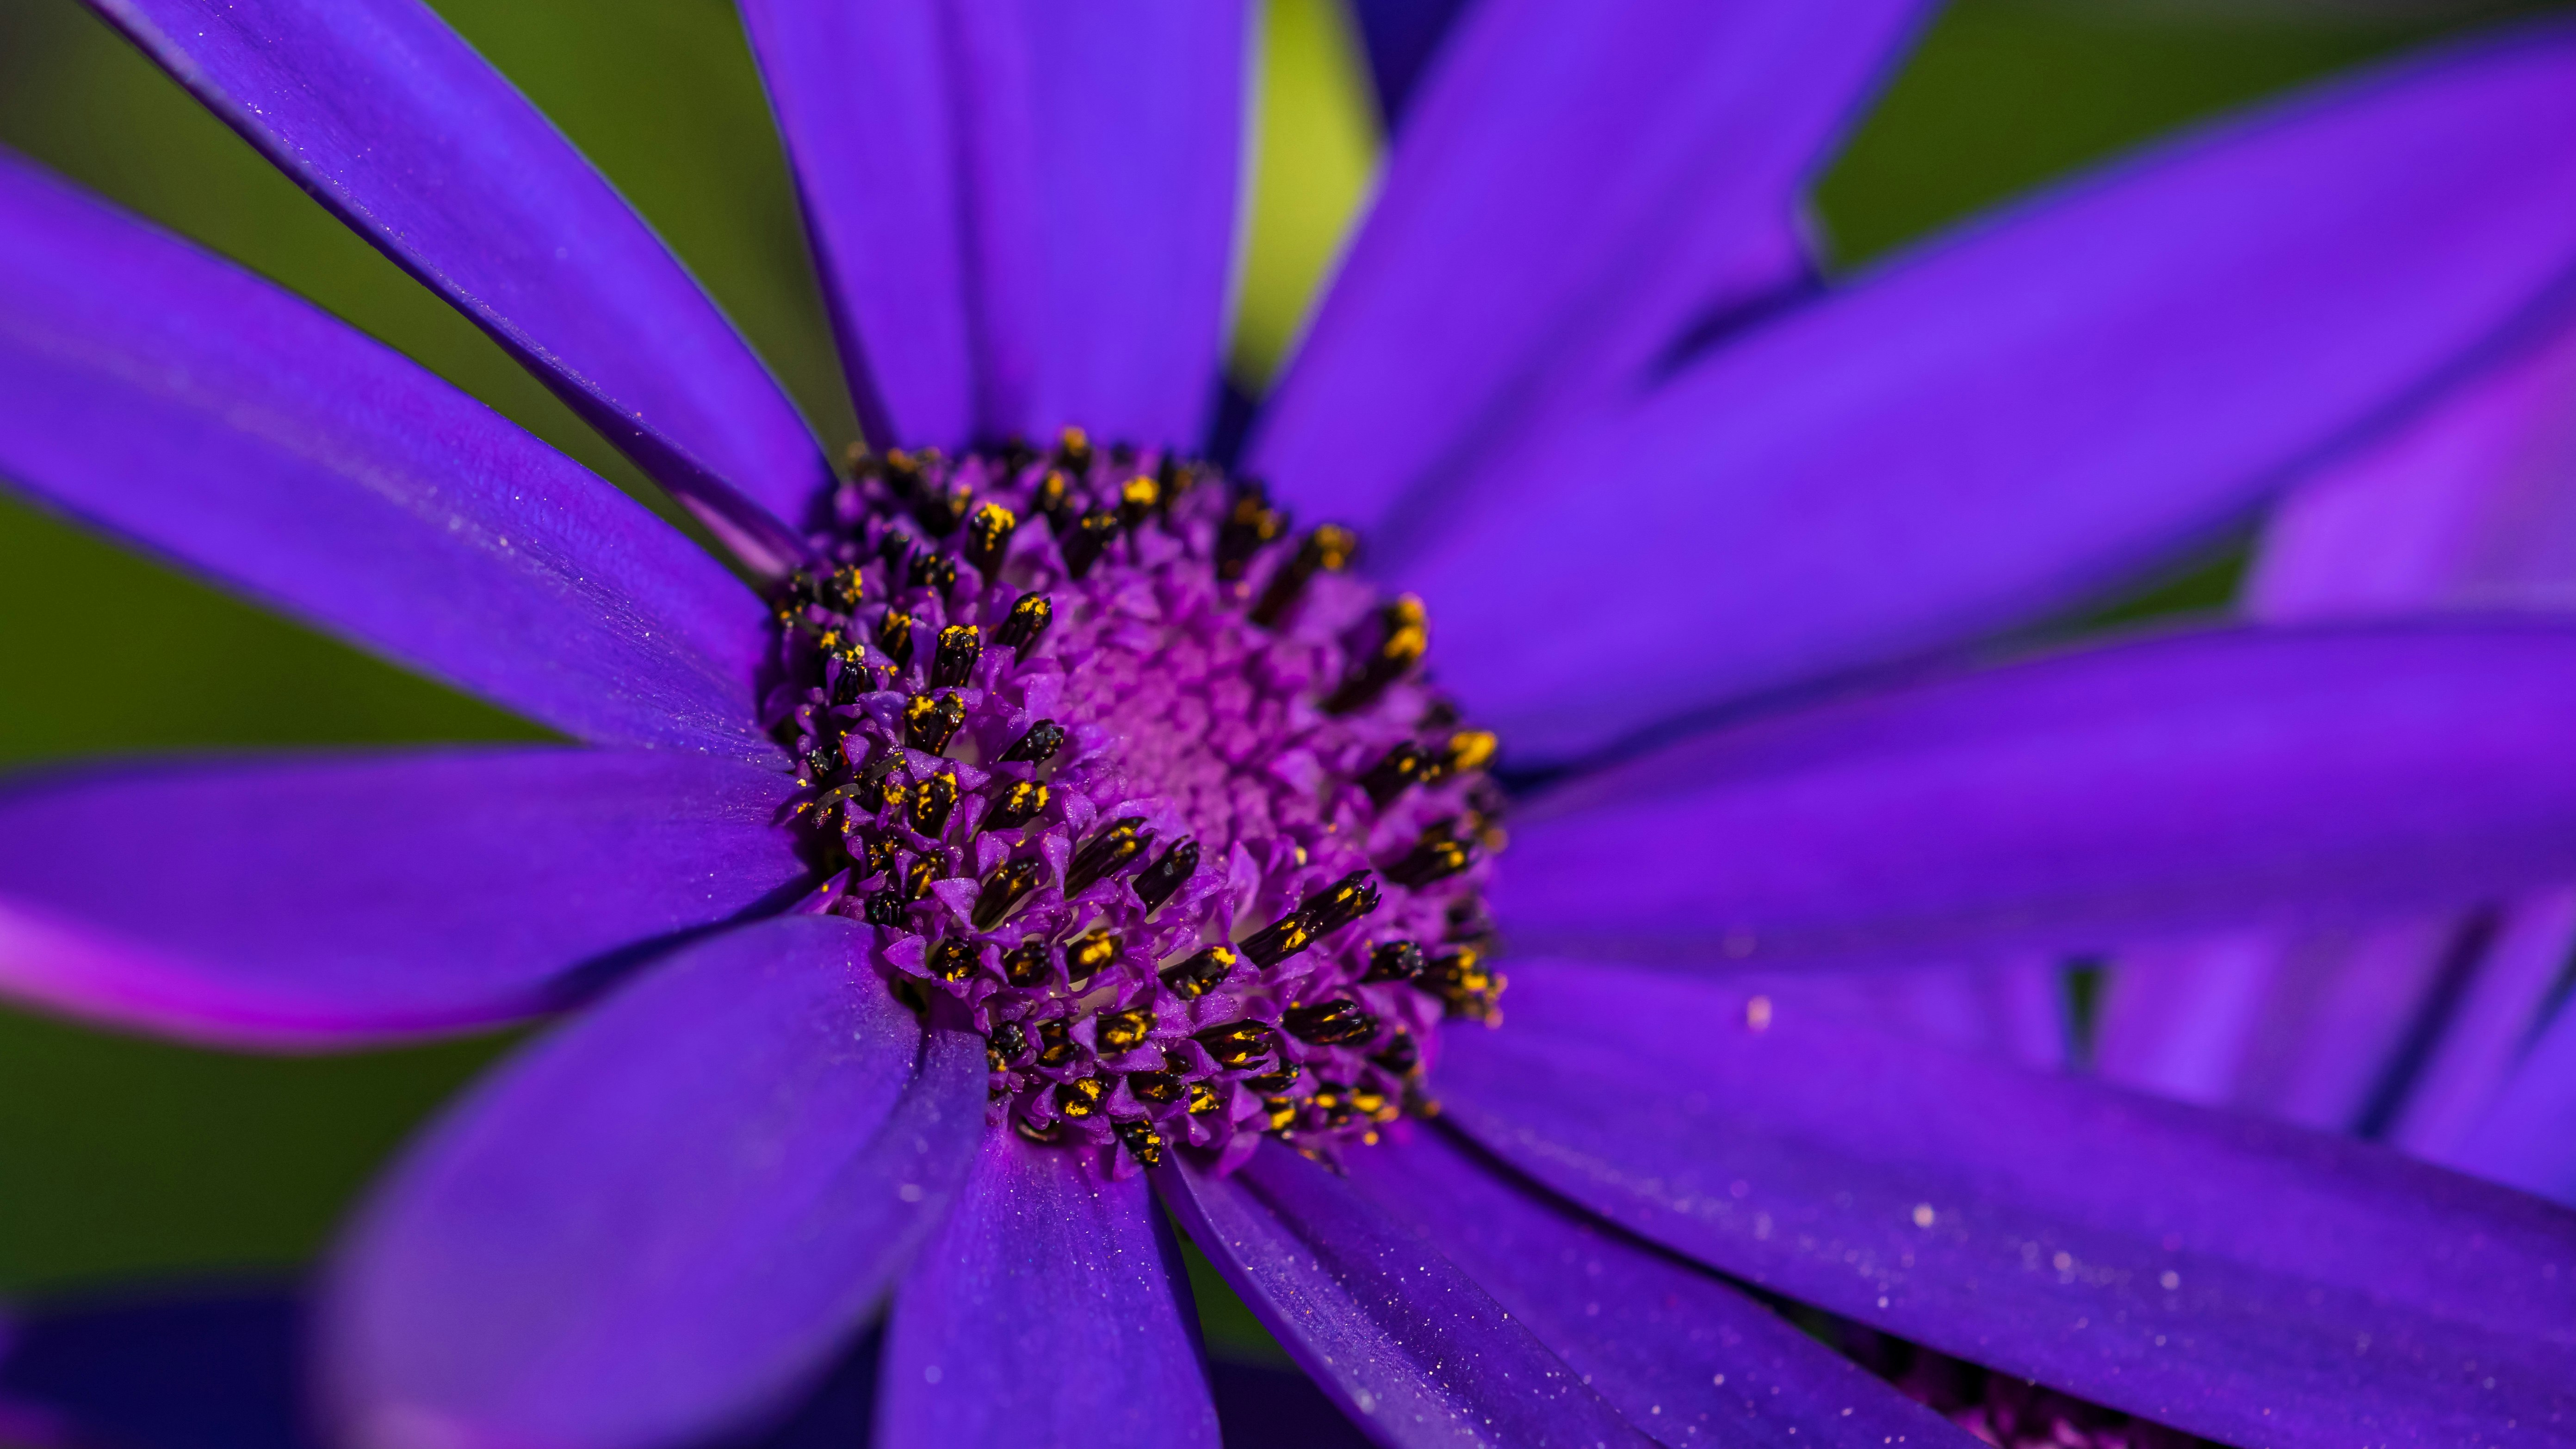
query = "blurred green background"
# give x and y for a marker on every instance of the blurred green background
(122, 1158)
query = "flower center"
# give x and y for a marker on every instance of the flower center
(1153, 787)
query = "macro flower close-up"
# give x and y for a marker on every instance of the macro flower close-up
(1440, 834)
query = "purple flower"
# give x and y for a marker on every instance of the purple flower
(1063, 827)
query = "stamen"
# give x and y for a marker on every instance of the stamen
(1344, 901)
(953, 959)
(1436, 857)
(1168, 874)
(1089, 539)
(1109, 850)
(1407, 634)
(1006, 887)
(1237, 1044)
(1029, 619)
(1334, 1023)
(1037, 746)
(1326, 550)
(1142, 1140)
(1025, 966)
(960, 645)
(929, 724)
(1200, 974)
(1393, 961)
(1019, 805)
(894, 638)
(932, 801)
(988, 537)
(1125, 1031)
(1390, 776)
(1089, 953)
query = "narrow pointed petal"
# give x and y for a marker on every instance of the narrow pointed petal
(2310, 1028)
(2408, 1028)
(2497, 1011)
(2237, 1279)
(663, 1217)
(2017, 418)
(392, 121)
(1407, 1344)
(2077, 802)
(2471, 507)
(1681, 1354)
(197, 411)
(1026, 216)
(335, 902)
(2528, 1135)
(1573, 188)
(1052, 1309)
(876, 174)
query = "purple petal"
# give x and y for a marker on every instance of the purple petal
(1027, 217)
(1681, 1354)
(393, 122)
(2472, 506)
(2015, 1012)
(1042, 1256)
(2018, 418)
(875, 170)
(664, 1216)
(2528, 1135)
(2159, 787)
(1401, 1339)
(197, 411)
(2231, 1277)
(2303, 1028)
(2410, 1027)
(336, 902)
(1572, 189)
(2498, 1009)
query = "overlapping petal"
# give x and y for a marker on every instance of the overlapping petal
(1400, 37)
(2006, 421)
(340, 901)
(2473, 506)
(1024, 212)
(2527, 1136)
(2405, 1029)
(196, 410)
(1041, 1255)
(666, 1215)
(391, 120)
(2238, 1279)
(2306, 1027)
(1686, 1357)
(2076, 802)
(1401, 1339)
(1572, 190)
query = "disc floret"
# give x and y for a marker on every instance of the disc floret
(1148, 781)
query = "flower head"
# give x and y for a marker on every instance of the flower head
(1059, 809)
